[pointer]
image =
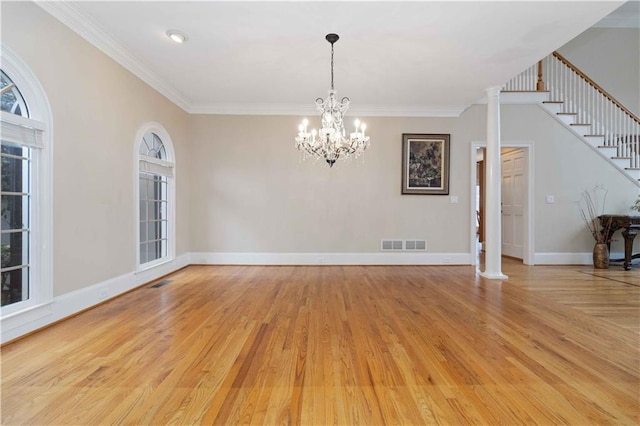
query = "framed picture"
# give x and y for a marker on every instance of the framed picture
(425, 164)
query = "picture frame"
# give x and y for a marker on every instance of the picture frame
(425, 164)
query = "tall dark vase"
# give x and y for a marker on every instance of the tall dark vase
(601, 256)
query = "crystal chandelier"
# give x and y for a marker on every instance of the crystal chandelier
(331, 141)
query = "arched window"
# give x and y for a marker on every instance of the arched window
(26, 208)
(155, 196)
(12, 100)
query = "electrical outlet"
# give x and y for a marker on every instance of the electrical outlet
(447, 260)
(320, 260)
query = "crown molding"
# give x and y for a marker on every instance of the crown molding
(252, 109)
(409, 111)
(87, 28)
(363, 111)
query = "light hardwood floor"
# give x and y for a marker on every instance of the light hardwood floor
(341, 345)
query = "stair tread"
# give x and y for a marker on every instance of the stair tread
(524, 91)
(573, 116)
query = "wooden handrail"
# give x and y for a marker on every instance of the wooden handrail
(596, 86)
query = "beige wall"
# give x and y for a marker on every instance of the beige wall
(611, 57)
(252, 192)
(97, 107)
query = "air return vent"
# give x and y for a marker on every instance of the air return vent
(391, 245)
(403, 245)
(415, 245)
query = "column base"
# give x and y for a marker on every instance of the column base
(493, 275)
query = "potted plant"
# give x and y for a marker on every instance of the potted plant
(591, 208)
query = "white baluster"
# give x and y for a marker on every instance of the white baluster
(637, 145)
(627, 144)
(616, 126)
(620, 131)
(576, 93)
(590, 106)
(563, 85)
(533, 76)
(579, 99)
(598, 112)
(585, 101)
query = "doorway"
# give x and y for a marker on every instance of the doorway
(516, 160)
(513, 190)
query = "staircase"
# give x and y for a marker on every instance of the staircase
(586, 109)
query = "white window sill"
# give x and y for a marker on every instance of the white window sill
(156, 263)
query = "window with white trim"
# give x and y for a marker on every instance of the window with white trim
(21, 146)
(155, 188)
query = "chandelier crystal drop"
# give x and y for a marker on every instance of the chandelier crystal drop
(332, 141)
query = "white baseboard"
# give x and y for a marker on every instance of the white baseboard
(569, 258)
(563, 258)
(401, 258)
(71, 303)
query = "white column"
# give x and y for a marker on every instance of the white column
(493, 213)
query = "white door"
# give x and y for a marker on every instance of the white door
(513, 196)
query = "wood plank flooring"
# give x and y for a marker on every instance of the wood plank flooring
(340, 345)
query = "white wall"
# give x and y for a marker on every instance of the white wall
(98, 107)
(611, 57)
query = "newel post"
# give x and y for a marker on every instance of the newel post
(540, 82)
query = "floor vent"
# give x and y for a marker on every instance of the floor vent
(403, 245)
(160, 283)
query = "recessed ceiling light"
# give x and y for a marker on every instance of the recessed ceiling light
(177, 36)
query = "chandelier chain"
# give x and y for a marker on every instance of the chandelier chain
(332, 66)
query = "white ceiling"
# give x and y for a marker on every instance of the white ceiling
(393, 58)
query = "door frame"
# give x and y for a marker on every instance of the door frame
(528, 234)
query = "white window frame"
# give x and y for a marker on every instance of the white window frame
(169, 163)
(41, 208)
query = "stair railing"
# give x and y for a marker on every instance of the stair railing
(590, 102)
